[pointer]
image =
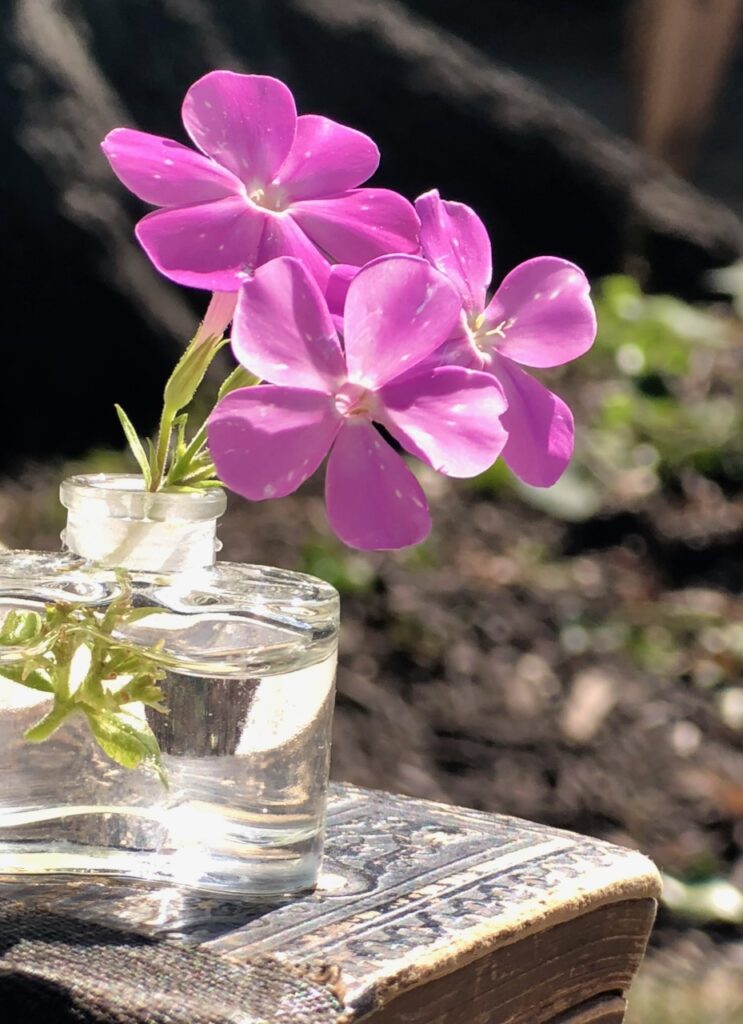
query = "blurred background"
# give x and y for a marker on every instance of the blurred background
(574, 655)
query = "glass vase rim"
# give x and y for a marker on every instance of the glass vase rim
(123, 496)
(298, 612)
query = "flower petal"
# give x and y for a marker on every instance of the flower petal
(283, 237)
(164, 172)
(266, 441)
(539, 424)
(454, 240)
(457, 350)
(341, 275)
(448, 417)
(374, 502)
(209, 245)
(326, 157)
(360, 225)
(246, 123)
(283, 331)
(551, 316)
(398, 310)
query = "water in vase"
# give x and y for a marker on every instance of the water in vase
(245, 753)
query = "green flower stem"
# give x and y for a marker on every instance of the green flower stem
(179, 392)
(164, 440)
(180, 467)
(174, 462)
(189, 467)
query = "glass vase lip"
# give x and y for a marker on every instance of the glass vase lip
(123, 496)
(279, 619)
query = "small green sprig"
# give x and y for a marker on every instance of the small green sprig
(74, 656)
(173, 461)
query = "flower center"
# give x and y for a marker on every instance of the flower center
(269, 197)
(485, 339)
(354, 400)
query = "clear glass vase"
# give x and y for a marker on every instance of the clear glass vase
(249, 655)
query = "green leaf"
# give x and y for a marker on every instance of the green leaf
(49, 723)
(135, 444)
(21, 674)
(20, 627)
(239, 378)
(202, 460)
(135, 614)
(182, 464)
(55, 615)
(180, 423)
(120, 661)
(144, 690)
(151, 453)
(195, 488)
(59, 633)
(189, 373)
(200, 474)
(127, 740)
(36, 681)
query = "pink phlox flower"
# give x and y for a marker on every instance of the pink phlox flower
(266, 183)
(323, 396)
(540, 316)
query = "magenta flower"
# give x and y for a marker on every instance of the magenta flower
(325, 396)
(540, 316)
(266, 183)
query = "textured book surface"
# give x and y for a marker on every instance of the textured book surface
(425, 913)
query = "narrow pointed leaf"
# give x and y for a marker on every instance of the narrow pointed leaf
(34, 680)
(239, 378)
(135, 444)
(49, 723)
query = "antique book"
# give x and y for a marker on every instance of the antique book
(425, 914)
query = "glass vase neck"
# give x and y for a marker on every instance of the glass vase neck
(113, 520)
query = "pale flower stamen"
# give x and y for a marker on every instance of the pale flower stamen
(354, 401)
